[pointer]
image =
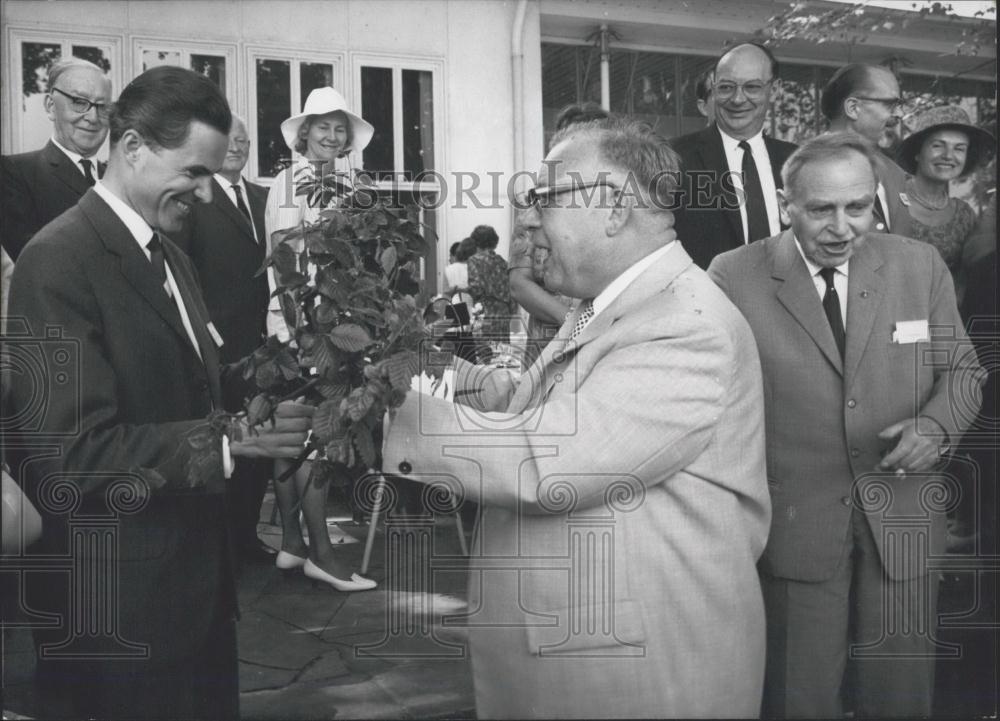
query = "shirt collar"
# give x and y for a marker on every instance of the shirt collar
(815, 269)
(138, 227)
(619, 284)
(227, 185)
(75, 157)
(732, 144)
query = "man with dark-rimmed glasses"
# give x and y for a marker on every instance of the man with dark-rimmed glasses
(40, 185)
(643, 416)
(865, 100)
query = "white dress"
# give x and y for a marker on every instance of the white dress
(456, 275)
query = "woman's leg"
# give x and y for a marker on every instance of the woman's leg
(287, 495)
(321, 551)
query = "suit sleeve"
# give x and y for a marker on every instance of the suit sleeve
(18, 209)
(958, 377)
(646, 411)
(80, 413)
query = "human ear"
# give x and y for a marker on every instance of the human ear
(786, 219)
(619, 214)
(131, 144)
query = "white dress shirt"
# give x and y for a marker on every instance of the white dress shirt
(734, 159)
(227, 187)
(839, 281)
(75, 158)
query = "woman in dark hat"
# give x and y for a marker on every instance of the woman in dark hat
(943, 147)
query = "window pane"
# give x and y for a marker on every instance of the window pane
(36, 58)
(274, 101)
(692, 69)
(418, 122)
(93, 54)
(312, 76)
(212, 67)
(155, 58)
(646, 88)
(376, 108)
(793, 114)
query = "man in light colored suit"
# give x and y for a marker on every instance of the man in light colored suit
(868, 379)
(621, 478)
(865, 100)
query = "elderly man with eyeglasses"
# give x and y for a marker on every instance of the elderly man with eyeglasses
(731, 168)
(39, 186)
(865, 100)
(621, 479)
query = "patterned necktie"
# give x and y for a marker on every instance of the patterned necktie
(88, 171)
(157, 260)
(757, 224)
(831, 304)
(585, 315)
(240, 203)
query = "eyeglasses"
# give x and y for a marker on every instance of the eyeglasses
(755, 89)
(82, 105)
(539, 197)
(893, 104)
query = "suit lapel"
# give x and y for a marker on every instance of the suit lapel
(223, 203)
(257, 200)
(63, 169)
(798, 294)
(132, 262)
(714, 156)
(864, 293)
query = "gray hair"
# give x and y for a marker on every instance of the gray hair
(827, 146)
(59, 67)
(632, 145)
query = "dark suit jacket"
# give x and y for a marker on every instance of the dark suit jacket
(227, 257)
(36, 188)
(708, 220)
(127, 407)
(823, 415)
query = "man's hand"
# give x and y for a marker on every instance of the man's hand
(918, 448)
(284, 439)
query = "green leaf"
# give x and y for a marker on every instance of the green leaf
(288, 310)
(364, 443)
(402, 367)
(350, 337)
(325, 356)
(326, 421)
(387, 259)
(259, 409)
(282, 257)
(358, 403)
(332, 391)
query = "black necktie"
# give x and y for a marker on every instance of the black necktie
(240, 203)
(88, 171)
(879, 212)
(757, 225)
(831, 304)
(158, 262)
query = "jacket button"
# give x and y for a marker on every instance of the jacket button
(851, 403)
(405, 468)
(880, 227)
(846, 500)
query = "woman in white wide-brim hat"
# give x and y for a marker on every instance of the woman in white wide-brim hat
(324, 131)
(943, 146)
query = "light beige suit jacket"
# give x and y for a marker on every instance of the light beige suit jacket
(824, 415)
(624, 507)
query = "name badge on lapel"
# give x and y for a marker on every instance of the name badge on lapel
(215, 334)
(911, 331)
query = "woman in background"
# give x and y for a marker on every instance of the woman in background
(945, 147)
(324, 131)
(489, 284)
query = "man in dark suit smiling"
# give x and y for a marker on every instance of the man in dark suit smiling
(40, 185)
(148, 374)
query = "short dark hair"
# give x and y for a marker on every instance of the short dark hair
(485, 237)
(466, 249)
(763, 48)
(582, 113)
(161, 104)
(826, 147)
(844, 83)
(636, 148)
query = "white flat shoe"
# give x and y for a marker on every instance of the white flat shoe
(357, 583)
(286, 561)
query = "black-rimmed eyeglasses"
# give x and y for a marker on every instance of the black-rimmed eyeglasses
(893, 104)
(540, 197)
(82, 105)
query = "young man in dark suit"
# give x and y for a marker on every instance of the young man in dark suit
(127, 426)
(38, 186)
(225, 241)
(731, 170)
